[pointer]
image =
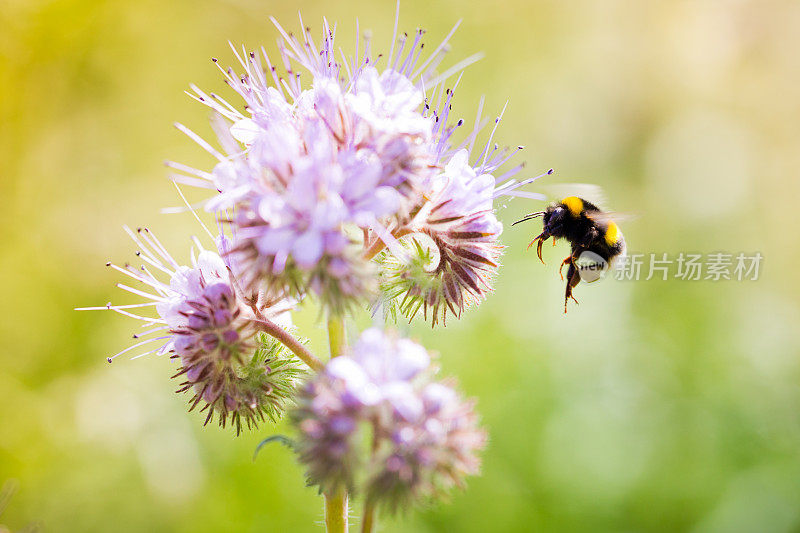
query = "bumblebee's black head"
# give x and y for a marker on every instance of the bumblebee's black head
(563, 218)
(554, 218)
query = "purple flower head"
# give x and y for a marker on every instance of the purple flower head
(423, 436)
(201, 321)
(381, 369)
(363, 153)
(427, 455)
(302, 166)
(295, 241)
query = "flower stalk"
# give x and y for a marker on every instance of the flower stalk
(291, 342)
(368, 521)
(336, 501)
(336, 336)
(336, 511)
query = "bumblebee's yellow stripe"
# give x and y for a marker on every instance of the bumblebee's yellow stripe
(613, 234)
(574, 204)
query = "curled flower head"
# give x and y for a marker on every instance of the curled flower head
(375, 422)
(464, 234)
(455, 266)
(233, 370)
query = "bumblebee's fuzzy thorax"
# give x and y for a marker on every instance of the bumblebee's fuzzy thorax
(573, 204)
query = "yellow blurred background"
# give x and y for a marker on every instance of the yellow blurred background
(653, 406)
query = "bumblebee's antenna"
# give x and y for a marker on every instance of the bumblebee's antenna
(527, 217)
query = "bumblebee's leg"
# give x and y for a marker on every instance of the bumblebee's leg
(543, 236)
(539, 249)
(567, 261)
(573, 278)
(576, 253)
(540, 237)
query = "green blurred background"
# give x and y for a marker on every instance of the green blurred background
(652, 406)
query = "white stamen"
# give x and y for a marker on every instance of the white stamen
(129, 348)
(199, 140)
(491, 136)
(193, 211)
(140, 293)
(110, 307)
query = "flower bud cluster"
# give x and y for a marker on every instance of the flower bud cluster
(376, 422)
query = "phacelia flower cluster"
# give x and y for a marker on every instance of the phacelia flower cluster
(316, 180)
(232, 369)
(376, 422)
(355, 188)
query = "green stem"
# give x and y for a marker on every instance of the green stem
(336, 512)
(336, 336)
(271, 328)
(368, 522)
(336, 501)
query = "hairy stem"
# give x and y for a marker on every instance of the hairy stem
(336, 501)
(368, 521)
(274, 330)
(336, 511)
(271, 328)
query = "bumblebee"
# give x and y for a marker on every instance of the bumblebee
(586, 227)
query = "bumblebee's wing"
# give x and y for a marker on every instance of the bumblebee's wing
(587, 191)
(605, 217)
